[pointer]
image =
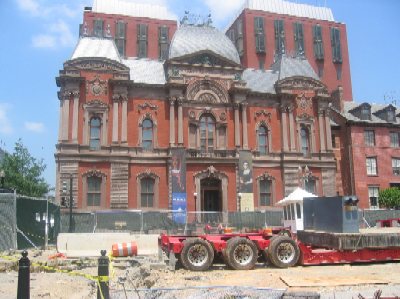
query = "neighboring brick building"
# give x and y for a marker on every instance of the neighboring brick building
(264, 28)
(197, 130)
(369, 149)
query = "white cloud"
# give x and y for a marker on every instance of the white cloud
(44, 41)
(30, 6)
(59, 35)
(220, 10)
(34, 127)
(5, 124)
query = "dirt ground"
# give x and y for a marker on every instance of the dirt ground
(138, 275)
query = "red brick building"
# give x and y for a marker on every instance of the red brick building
(264, 28)
(369, 149)
(197, 129)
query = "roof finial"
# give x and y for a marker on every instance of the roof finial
(185, 18)
(282, 46)
(209, 20)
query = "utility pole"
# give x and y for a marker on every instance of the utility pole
(71, 226)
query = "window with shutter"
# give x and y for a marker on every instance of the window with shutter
(298, 38)
(259, 34)
(163, 42)
(336, 48)
(120, 37)
(279, 37)
(142, 40)
(265, 192)
(239, 37)
(318, 44)
(98, 28)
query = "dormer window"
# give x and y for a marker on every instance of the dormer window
(365, 113)
(391, 116)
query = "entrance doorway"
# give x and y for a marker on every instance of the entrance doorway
(211, 200)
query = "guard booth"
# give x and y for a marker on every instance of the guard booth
(293, 209)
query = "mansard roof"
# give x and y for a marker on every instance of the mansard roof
(146, 71)
(94, 47)
(192, 39)
(284, 67)
(350, 110)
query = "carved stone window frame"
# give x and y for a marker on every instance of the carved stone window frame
(268, 177)
(95, 109)
(308, 123)
(269, 136)
(140, 127)
(103, 176)
(156, 178)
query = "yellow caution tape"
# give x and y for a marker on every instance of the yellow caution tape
(96, 279)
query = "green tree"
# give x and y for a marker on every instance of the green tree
(23, 172)
(389, 198)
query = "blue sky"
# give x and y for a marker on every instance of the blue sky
(37, 36)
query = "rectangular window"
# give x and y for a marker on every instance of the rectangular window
(93, 191)
(318, 44)
(98, 28)
(394, 139)
(259, 34)
(396, 166)
(369, 138)
(231, 35)
(163, 42)
(336, 48)
(120, 37)
(239, 37)
(309, 185)
(265, 192)
(279, 37)
(371, 166)
(147, 192)
(373, 194)
(298, 38)
(142, 40)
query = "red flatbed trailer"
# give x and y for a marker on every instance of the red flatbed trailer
(241, 251)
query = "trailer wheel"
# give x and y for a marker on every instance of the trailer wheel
(283, 252)
(241, 253)
(197, 254)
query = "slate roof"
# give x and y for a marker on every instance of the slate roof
(189, 39)
(146, 71)
(349, 106)
(284, 67)
(94, 47)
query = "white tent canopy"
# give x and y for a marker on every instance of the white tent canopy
(296, 196)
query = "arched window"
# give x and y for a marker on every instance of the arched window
(207, 133)
(95, 130)
(147, 134)
(93, 191)
(263, 140)
(147, 192)
(305, 141)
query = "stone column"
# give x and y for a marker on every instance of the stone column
(180, 122)
(237, 130)
(284, 129)
(328, 131)
(65, 124)
(115, 119)
(292, 130)
(244, 124)
(60, 125)
(172, 122)
(321, 130)
(75, 117)
(124, 120)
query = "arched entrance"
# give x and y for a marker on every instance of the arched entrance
(211, 199)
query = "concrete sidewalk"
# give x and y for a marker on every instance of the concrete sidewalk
(90, 244)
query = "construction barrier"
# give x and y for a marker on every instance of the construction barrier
(124, 249)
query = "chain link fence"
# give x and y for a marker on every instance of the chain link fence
(171, 222)
(8, 221)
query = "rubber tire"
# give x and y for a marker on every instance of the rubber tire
(273, 252)
(187, 245)
(230, 250)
